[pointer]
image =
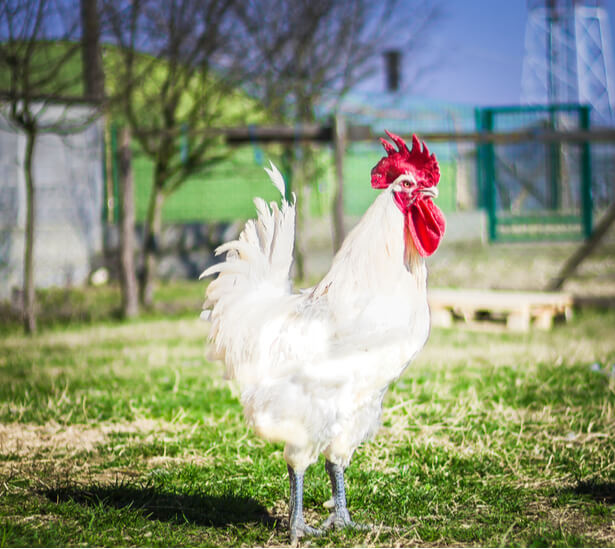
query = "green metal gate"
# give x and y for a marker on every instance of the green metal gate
(535, 190)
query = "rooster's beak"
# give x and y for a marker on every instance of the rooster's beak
(430, 192)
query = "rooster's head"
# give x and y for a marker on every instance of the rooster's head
(413, 174)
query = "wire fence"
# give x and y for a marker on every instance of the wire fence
(530, 187)
(69, 199)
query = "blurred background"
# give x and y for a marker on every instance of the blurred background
(133, 137)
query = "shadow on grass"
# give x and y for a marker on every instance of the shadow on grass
(601, 492)
(157, 504)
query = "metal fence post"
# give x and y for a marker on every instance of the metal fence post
(586, 175)
(489, 182)
(480, 176)
(105, 204)
(109, 191)
(114, 173)
(554, 165)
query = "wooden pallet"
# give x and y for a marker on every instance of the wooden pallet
(518, 311)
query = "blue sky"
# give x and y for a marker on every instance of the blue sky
(481, 45)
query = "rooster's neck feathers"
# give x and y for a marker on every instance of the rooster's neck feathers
(375, 255)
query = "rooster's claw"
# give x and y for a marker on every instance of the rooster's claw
(341, 521)
(300, 530)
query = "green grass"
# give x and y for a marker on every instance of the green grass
(117, 434)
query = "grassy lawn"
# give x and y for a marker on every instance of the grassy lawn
(124, 435)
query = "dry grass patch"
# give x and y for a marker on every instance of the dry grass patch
(136, 333)
(23, 439)
(79, 452)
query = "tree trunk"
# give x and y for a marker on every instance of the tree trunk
(93, 75)
(151, 234)
(29, 296)
(128, 279)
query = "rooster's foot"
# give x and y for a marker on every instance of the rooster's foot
(341, 519)
(300, 529)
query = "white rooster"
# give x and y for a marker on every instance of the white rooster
(313, 367)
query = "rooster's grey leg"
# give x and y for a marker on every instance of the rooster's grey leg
(340, 518)
(298, 527)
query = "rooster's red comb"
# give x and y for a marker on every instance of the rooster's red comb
(403, 160)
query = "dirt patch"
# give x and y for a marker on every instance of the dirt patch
(47, 454)
(573, 520)
(24, 439)
(18, 439)
(168, 461)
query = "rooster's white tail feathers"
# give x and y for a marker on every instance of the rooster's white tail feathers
(263, 251)
(276, 178)
(257, 263)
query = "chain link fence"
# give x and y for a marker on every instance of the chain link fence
(68, 189)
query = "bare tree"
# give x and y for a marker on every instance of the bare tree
(94, 89)
(35, 76)
(308, 53)
(302, 52)
(173, 71)
(128, 279)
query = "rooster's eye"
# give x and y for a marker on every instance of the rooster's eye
(407, 184)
